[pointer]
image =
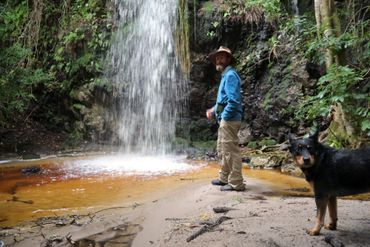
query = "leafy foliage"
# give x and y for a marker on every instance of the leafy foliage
(339, 85)
(12, 19)
(208, 6)
(250, 11)
(347, 84)
(17, 79)
(72, 39)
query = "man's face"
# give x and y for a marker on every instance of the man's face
(222, 61)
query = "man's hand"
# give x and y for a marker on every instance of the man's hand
(210, 113)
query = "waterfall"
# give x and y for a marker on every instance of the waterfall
(295, 7)
(145, 72)
(296, 14)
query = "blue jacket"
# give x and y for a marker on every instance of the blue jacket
(229, 102)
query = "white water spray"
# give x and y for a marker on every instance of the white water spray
(145, 72)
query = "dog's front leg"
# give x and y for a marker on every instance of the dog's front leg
(332, 205)
(321, 204)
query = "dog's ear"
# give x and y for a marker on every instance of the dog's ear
(314, 134)
(292, 138)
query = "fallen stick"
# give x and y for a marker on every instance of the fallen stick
(219, 210)
(207, 228)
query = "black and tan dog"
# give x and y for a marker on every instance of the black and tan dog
(331, 173)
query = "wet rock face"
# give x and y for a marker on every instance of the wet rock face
(203, 87)
(212, 30)
(271, 83)
(303, 6)
(205, 36)
(209, 28)
(270, 97)
(90, 103)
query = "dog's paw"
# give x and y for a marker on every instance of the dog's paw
(313, 232)
(331, 226)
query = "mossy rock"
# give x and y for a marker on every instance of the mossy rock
(208, 7)
(76, 136)
(267, 142)
(207, 145)
(30, 156)
(180, 143)
(252, 144)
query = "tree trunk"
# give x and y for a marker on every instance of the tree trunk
(328, 26)
(318, 16)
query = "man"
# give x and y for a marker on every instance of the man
(228, 112)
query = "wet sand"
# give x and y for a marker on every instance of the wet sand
(259, 217)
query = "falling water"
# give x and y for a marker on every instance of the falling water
(296, 14)
(295, 7)
(146, 74)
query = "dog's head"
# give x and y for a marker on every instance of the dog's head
(304, 150)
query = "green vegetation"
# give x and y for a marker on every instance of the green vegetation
(47, 49)
(261, 143)
(250, 11)
(205, 145)
(212, 33)
(208, 6)
(51, 50)
(345, 83)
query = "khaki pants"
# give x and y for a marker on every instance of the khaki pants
(229, 153)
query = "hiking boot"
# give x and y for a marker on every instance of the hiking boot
(218, 182)
(228, 187)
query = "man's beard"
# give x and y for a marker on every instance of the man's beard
(220, 67)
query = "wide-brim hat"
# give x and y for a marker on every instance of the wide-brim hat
(212, 56)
